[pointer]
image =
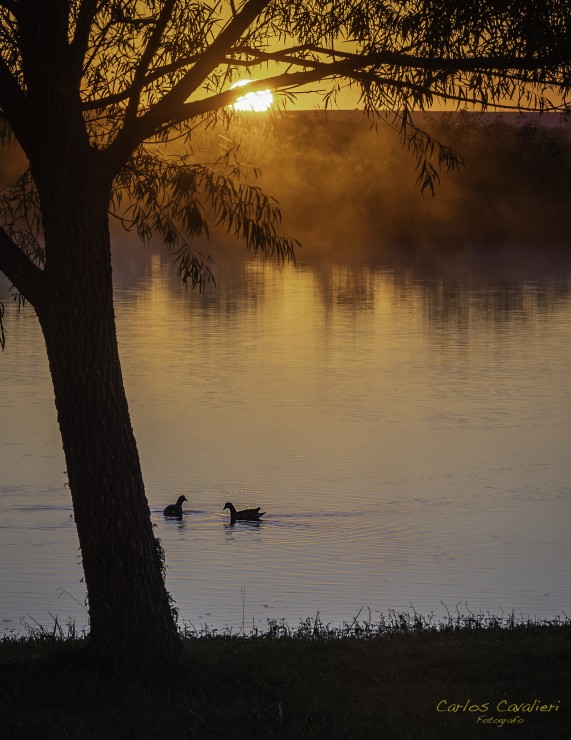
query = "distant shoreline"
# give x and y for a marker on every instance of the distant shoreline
(547, 120)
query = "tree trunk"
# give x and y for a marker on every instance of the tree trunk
(129, 608)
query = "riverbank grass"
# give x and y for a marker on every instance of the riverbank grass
(403, 678)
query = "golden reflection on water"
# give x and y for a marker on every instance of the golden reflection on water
(406, 433)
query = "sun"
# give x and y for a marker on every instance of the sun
(253, 101)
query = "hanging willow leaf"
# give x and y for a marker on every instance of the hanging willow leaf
(177, 200)
(21, 217)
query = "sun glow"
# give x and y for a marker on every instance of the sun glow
(253, 101)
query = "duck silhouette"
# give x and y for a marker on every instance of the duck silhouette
(246, 515)
(175, 509)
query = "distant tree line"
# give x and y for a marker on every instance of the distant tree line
(350, 191)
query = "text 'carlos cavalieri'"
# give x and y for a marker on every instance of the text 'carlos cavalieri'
(509, 711)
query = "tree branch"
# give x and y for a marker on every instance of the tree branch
(403, 60)
(146, 59)
(320, 71)
(221, 100)
(153, 76)
(85, 16)
(426, 88)
(20, 270)
(136, 130)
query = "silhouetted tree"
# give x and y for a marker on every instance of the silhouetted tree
(90, 88)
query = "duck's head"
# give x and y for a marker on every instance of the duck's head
(180, 500)
(230, 506)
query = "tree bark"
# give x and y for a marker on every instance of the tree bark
(130, 610)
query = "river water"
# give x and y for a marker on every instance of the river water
(406, 433)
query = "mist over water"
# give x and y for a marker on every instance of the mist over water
(349, 193)
(348, 188)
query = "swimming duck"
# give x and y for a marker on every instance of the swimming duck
(246, 515)
(175, 509)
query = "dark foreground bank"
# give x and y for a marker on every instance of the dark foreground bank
(405, 678)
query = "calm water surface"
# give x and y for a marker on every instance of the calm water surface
(406, 435)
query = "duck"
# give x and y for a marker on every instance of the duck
(246, 515)
(175, 509)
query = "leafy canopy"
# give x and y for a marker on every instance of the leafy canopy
(131, 76)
